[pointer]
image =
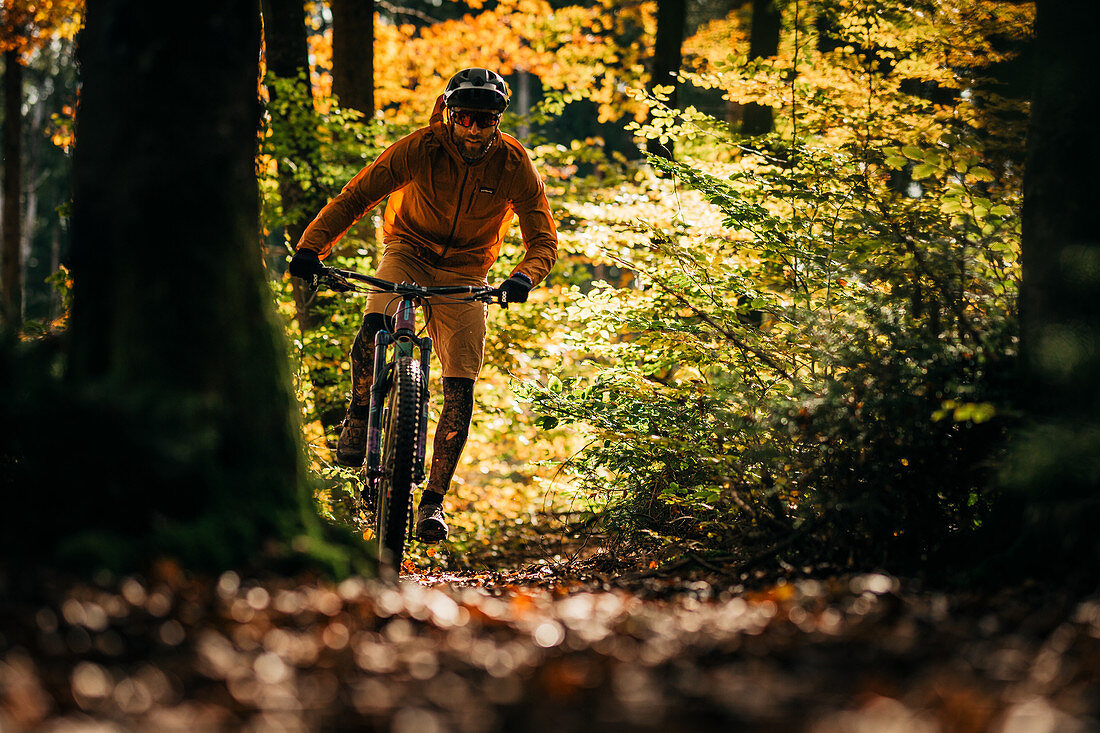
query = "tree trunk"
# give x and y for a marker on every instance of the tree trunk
(758, 119)
(353, 54)
(1057, 461)
(353, 76)
(57, 306)
(180, 420)
(33, 179)
(287, 49)
(667, 56)
(521, 101)
(11, 265)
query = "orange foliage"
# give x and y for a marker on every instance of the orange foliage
(716, 41)
(573, 48)
(25, 25)
(61, 128)
(320, 56)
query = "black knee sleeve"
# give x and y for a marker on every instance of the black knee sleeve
(363, 346)
(375, 322)
(362, 361)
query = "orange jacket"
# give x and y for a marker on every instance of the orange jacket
(453, 213)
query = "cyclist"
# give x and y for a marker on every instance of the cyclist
(453, 187)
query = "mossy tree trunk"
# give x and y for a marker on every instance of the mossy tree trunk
(179, 416)
(1056, 464)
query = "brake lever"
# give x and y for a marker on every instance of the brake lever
(339, 284)
(332, 279)
(497, 297)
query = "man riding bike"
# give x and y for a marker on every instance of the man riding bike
(454, 187)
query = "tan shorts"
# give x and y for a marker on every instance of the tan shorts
(457, 328)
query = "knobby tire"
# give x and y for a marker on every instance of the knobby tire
(399, 448)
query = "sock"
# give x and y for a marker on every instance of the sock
(430, 498)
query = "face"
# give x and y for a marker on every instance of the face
(473, 141)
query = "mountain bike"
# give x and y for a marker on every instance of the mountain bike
(397, 422)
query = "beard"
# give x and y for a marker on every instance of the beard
(474, 154)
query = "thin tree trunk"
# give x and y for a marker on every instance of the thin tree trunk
(287, 49)
(30, 206)
(11, 266)
(353, 54)
(733, 110)
(667, 57)
(758, 119)
(57, 307)
(522, 96)
(353, 77)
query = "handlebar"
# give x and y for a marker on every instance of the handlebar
(341, 281)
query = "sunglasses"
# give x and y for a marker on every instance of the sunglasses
(466, 118)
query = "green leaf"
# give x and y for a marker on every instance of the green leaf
(976, 412)
(546, 422)
(924, 170)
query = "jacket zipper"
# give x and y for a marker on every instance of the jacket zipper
(474, 192)
(458, 213)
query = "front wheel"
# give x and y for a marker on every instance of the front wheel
(399, 451)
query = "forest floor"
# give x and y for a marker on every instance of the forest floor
(542, 648)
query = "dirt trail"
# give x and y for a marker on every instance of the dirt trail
(534, 651)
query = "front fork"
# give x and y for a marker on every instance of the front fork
(422, 433)
(382, 341)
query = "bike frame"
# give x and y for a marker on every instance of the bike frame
(405, 342)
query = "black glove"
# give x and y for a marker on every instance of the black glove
(306, 264)
(515, 288)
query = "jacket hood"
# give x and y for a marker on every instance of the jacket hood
(436, 120)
